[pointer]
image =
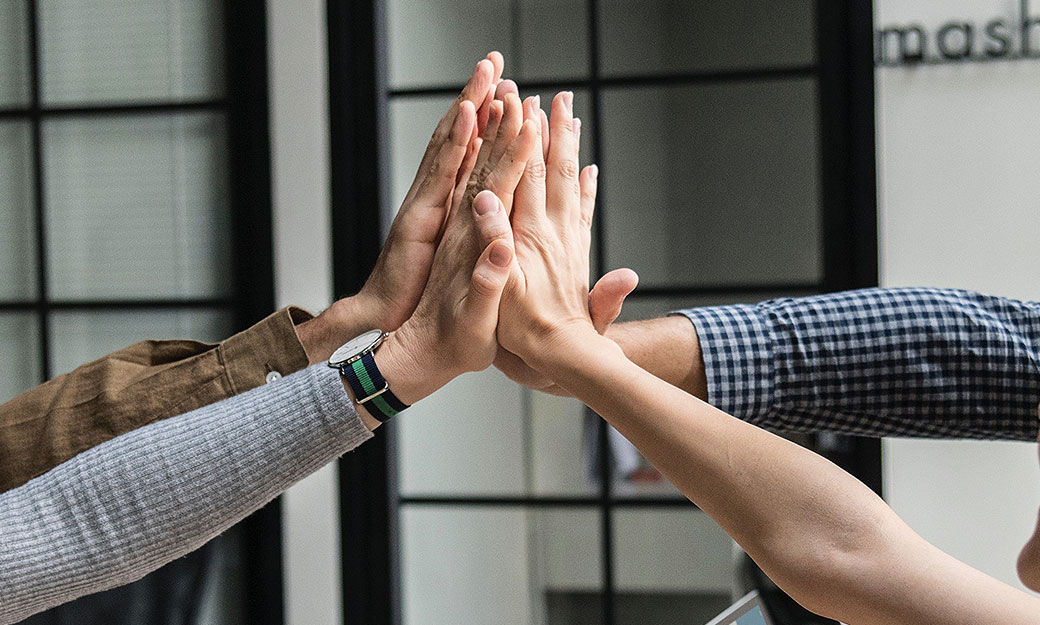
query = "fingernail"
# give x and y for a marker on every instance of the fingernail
(595, 172)
(501, 255)
(485, 203)
(538, 102)
(577, 126)
(568, 99)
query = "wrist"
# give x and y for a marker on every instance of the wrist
(340, 322)
(411, 367)
(566, 350)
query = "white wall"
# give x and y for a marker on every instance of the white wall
(959, 176)
(303, 276)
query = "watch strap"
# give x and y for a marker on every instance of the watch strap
(371, 389)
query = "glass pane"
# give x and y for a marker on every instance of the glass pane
(498, 565)
(563, 447)
(77, 337)
(14, 54)
(438, 42)
(17, 230)
(114, 51)
(19, 354)
(137, 207)
(717, 35)
(672, 566)
(708, 185)
(465, 439)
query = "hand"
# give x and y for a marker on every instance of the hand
(605, 302)
(453, 327)
(547, 298)
(393, 289)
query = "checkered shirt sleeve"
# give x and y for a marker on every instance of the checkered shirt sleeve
(936, 363)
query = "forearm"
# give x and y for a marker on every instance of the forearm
(819, 533)
(908, 362)
(668, 348)
(126, 507)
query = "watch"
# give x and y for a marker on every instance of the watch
(356, 363)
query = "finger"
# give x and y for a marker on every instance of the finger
(608, 296)
(492, 269)
(490, 132)
(498, 64)
(588, 181)
(512, 120)
(438, 184)
(485, 109)
(517, 370)
(504, 178)
(465, 174)
(561, 184)
(504, 87)
(475, 91)
(529, 201)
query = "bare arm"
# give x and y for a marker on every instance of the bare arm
(826, 539)
(820, 534)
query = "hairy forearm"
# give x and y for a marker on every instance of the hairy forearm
(818, 532)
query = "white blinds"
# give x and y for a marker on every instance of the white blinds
(136, 207)
(113, 50)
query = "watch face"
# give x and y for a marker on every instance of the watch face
(356, 346)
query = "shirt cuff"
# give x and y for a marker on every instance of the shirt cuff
(737, 347)
(265, 352)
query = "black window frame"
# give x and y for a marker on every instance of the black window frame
(245, 110)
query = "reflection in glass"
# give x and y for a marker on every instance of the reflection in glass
(497, 565)
(716, 184)
(674, 36)
(14, 54)
(19, 354)
(137, 207)
(672, 566)
(17, 231)
(78, 337)
(114, 51)
(437, 42)
(465, 439)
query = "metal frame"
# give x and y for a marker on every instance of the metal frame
(844, 73)
(245, 111)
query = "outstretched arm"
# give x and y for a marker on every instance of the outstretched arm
(819, 533)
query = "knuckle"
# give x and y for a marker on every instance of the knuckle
(484, 284)
(535, 171)
(568, 168)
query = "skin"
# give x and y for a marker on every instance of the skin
(826, 539)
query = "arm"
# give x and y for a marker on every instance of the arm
(906, 362)
(819, 533)
(129, 505)
(154, 380)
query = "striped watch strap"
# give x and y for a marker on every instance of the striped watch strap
(371, 389)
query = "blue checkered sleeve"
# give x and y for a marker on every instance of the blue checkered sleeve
(937, 363)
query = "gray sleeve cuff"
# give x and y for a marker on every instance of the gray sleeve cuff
(737, 347)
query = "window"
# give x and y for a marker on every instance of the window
(738, 139)
(124, 132)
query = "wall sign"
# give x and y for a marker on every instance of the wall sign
(1005, 37)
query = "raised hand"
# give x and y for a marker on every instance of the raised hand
(453, 327)
(547, 296)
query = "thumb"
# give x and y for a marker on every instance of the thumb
(607, 297)
(493, 267)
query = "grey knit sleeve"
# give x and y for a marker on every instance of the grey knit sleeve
(126, 507)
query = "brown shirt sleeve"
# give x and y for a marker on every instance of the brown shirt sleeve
(145, 382)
